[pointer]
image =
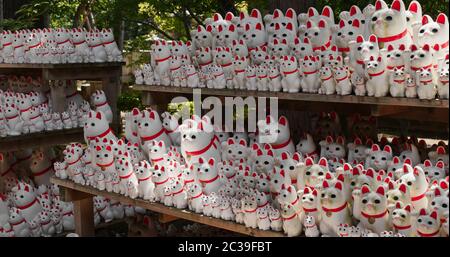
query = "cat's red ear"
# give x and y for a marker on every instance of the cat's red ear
(402, 188)
(442, 19)
(325, 184)
(380, 190)
(434, 215)
(423, 212)
(408, 208)
(359, 39)
(309, 161)
(338, 185)
(365, 190)
(323, 162)
(396, 5)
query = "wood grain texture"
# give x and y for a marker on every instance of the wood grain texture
(46, 138)
(349, 99)
(160, 208)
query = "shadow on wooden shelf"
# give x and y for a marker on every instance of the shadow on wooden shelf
(46, 138)
(348, 99)
(160, 208)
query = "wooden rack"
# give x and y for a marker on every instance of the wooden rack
(424, 118)
(84, 215)
(108, 73)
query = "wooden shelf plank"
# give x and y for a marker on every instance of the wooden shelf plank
(46, 138)
(349, 99)
(160, 208)
(59, 66)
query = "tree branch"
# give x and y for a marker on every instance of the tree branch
(195, 17)
(154, 27)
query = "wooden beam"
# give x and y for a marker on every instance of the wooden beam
(160, 208)
(163, 218)
(45, 138)
(302, 97)
(84, 217)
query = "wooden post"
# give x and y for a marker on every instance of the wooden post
(58, 95)
(112, 88)
(83, 211)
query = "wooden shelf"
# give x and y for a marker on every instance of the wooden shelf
(59, 66)
(46, 138)
(108, 73)
(160, 208)
(349, 99)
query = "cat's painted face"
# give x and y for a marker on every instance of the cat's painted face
(207, 170)
(277, 179)
(434, 172)
(439, 203)
(427, 223)
(365, 49)
(420, 57)
(373, 202)
(249, 203)
(254, 35)
(332, 196)
(433, 32)
(386, 21)
(263, 183)
(301, 47)
(240, 48)
(348, 32)
(203, 36)
(333, 149)
(315, 173)
(377, 158)
(264, 160)
(401, 216)
(359, 179)
(309, 198)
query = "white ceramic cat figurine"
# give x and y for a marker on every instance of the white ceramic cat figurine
(292, 225)
(343, 85)
(389, 24)
(100, 102)
(377, 84)
(290, 75)
(374, 213)
(328, 86)
(334, 209)
(397, 82)
(311, 229)
(426, 89)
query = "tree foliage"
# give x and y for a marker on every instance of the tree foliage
(139, 21)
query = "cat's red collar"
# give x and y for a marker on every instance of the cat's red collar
(376, 74)
(209, 180)
(199, 152)
(163, 59)
(393, 38)
(309, 72)
(290, 72)
(326, 45)
(428, 234)
(335, 209)
(279, 146)
(153, 137)
(374, 216)
(42, 172)
(402, 227)
(26, 206)
(127, 176)
(290, 217)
